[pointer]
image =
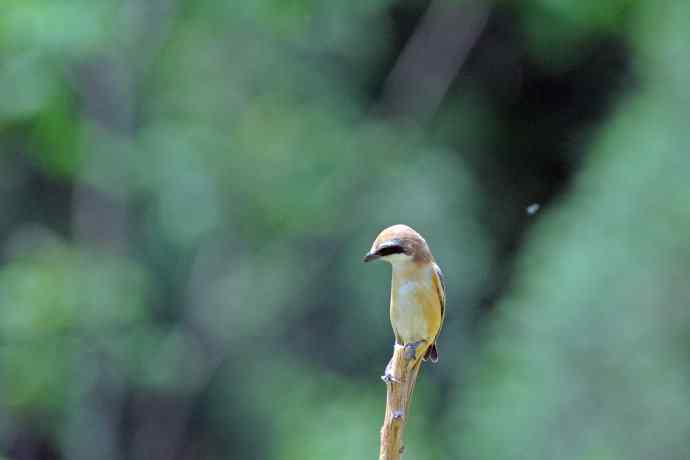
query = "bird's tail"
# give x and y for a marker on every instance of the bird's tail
(431, 353)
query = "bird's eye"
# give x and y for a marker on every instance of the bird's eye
(390, 249)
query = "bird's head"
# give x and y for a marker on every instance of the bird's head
(399, 244)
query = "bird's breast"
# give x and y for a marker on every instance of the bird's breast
(415, 309)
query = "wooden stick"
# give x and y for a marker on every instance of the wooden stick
(398, 397)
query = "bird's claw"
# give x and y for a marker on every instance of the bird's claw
(411, 350)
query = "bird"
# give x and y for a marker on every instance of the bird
(418, 292)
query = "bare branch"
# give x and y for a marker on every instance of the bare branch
(403, 372)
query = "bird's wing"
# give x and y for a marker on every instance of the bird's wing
(440, 286)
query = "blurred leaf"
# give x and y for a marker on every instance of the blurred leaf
(557, 30)
(54, 301)
(56, 137)
(29, 25)
(25, 86)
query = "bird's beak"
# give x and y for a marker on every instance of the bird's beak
(371, 256)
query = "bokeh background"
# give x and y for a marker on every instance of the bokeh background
(187, 188)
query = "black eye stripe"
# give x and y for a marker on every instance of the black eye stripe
(390, 249)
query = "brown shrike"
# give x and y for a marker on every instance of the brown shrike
(418, 291)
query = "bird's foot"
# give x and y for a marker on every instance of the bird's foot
(411, 350)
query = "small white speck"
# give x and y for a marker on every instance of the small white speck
(533, 208)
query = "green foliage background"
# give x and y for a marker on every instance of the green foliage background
(186, 190)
